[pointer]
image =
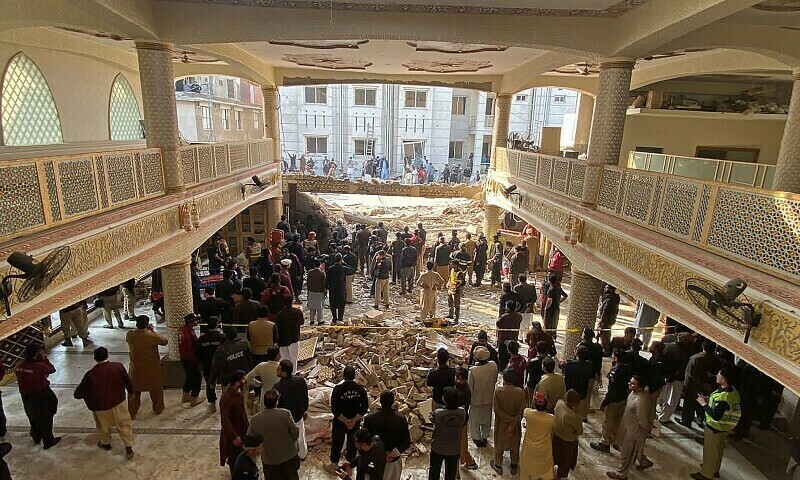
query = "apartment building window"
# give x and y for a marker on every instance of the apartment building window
(559, 99)
(256, 121)
(226, 118)
(416, 98)
(237, 115)
(522, 98)
(205, 114)
(317, 144)
(459, 105)
(317, 95)
(489, 106)
(365, 97)
(362, 145)
(456, 150)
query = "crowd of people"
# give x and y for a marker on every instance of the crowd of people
(250, 329)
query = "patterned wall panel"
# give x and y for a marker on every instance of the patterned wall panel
(500, 160)
(12, 348)
(78, 187)
(121, 184)
(137, 158)
(655, 207)
(513, 162)
(678, 207)
(205, 163)
(239, 156)
(607, 198)
(702, 211)
(152, 173)
(545, 166)
(623, 183)
(186, 157)
(124, 117)
(29, 113)
(637, 196)
(221, 159)
(100, 169)
(560, 172)
(52, 189)
(772, 240)
(255, 154)
(528, 164)
(20, 199)
(576, 180)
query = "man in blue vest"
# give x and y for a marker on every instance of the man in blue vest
(722, 413)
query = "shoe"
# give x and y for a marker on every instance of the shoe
(74, 337)
(186, 398)
(601, 447)
(331, 468)
(55, 442)
(471, 466)
(615, 447)
(104, 446)
(109, 326)
(375, 307)
(67, 343)
(496, 468)
(122, 325)
(87, 342)
(212, 407)
(476, 442)
(195, 401)
(514, 469)
(129, 452)
(644, 464)
(698, 476)
(449, 315)
(616, 475)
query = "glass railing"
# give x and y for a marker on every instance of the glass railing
(721, 171)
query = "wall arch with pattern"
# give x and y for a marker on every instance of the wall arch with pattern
(124, 114)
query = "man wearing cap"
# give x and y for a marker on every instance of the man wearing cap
(233, 420)
(103, 388)
(289, 320)
(294, 397)
(187, 345)
(537, 446)
(722, 412)
(429, 284)
(245, 467)
(207, 346)
(509, 405)
(279, 457)
(232, 355)
(481, 380)
(145, 366)
(349, 258)
(335, 278)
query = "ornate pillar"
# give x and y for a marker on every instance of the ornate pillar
(491, 220)
(274, 212)
(272, 119)
(502, 115)
(177, 281)
(608, 123)
(584, 123)
(787, 173)
(160, 113)
(583, 300)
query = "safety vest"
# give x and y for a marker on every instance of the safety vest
(731, 416)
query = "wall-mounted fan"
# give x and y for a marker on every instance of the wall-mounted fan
(35, 276)
(726, 303)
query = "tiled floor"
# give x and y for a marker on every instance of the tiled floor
(183, 442)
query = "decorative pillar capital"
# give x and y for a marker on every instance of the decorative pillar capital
(150, 45)
(618, 62)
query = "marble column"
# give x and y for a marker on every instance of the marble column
(272, 119)
(583, 126)
(608, 123)
(177, 281)
(491, 220)
(502, 115)
(160, 113)
(583, 300)
(274, 212)
(787, 172)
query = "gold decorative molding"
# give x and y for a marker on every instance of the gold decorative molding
(617, 64)
(456, 48)
(158, 46)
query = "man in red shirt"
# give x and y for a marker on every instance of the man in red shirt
(39, 400)
(517, 363)
(275, 295)
(556, 265)
(104, 389)
(191, 367)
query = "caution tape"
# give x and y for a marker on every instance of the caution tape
(446, 329)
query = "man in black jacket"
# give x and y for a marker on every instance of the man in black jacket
(335, 282)
(676, 357)
(408, 262)
(294, 397)
(613, 404)
(206, 347)
(392, 428)
(349, 258)
(214, 307)
(482, 340)
(232, 355)
(288, 321)
(480, 260)
(349, 404)
(396, 251)
(441, 377)
(370, 462)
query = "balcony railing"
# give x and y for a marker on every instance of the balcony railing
(39, 193)
(721, 171)
(756, 227)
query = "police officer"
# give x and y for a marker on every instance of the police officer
(722, 413)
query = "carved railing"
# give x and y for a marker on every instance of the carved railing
(758, 228)
(744, 174)
(40, 193)
(322, 184)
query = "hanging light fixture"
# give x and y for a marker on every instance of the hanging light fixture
(194, 215)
